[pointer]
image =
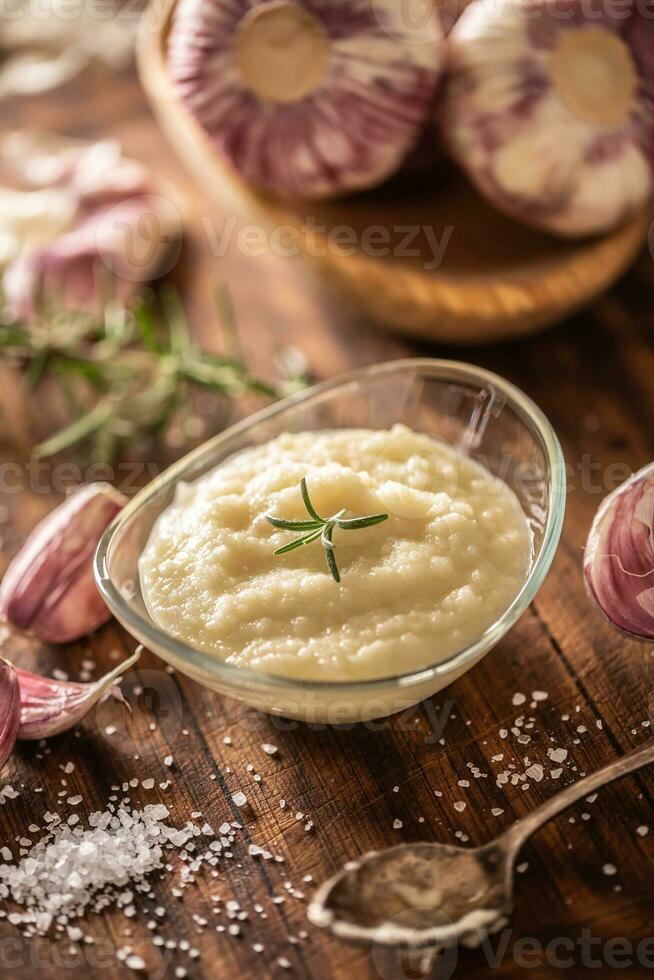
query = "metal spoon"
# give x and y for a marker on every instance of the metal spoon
(437, 895)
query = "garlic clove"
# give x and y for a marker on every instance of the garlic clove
(9, 709)
(49, 707)
(113, 241)
(619, 557)
(49, 587)
(549, 111)
(307, 99)
(92, 229)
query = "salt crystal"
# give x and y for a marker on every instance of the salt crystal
(240, 799)
(609, 869)
(269, 748)
(397, 824)
(557, 755)
(135, 962)
(642, 831)
(168, 760)
(460, 806)
(147, 783)
(539, 695)
(518, 699)
(497, 811)
(110, 730)
(535, 772)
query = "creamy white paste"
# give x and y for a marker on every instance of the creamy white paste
(414, 589)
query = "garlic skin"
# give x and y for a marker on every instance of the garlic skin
(49, 707)
(550, 110)
(311, 98)
(9, 710)
(619, 557)
(49, 587)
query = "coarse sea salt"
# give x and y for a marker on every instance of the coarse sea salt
(71, 871)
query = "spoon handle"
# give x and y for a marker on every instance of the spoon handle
(521, 831)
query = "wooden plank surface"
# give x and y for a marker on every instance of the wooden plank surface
(593, 378)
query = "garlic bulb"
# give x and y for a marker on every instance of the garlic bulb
(550, 110)
(619, 558)
(307, 98)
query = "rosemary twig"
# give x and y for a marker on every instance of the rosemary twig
(320, 527)
(129, 373)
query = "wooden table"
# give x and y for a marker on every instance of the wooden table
(593, 377)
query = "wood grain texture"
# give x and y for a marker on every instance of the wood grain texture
(593, 377)
(426, 255)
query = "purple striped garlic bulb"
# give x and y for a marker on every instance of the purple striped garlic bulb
(307, 98)
(619, 557)
(549, 108)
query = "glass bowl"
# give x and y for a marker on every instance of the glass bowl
(473, 410)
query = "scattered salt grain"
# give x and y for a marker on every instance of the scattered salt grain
(397, 825)
(168, 760)
(269, 748)
(460, 806)
(518, 699)
(240, 799)
(135, 962)
(609, 869)
(642, 831)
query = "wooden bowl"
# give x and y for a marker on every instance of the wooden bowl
(471, 274)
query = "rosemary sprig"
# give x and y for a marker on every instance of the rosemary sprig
(321, 528)
(130, 374)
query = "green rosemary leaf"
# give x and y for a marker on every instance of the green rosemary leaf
(292, 525)
(299, 542)
(146, 328)
(353, 524)
(307, 501)
(80, 429)
(329, 553)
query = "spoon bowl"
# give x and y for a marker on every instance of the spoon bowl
(418, 895)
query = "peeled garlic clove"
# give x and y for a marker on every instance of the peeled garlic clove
(619, 558)
(9, 710)
(49, 707)
(307, 99)
(549, 110)
(49, 586)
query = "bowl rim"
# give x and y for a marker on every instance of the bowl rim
(147, 632)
